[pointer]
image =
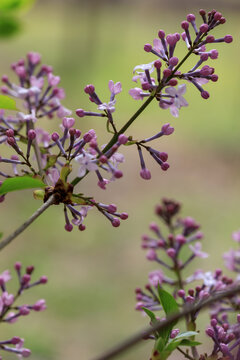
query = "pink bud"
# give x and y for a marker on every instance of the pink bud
(185, 25)
(68, 227)
(5, 78)
(24, 310)
(228, 39)
(217, 16)
(82, 227)
(204, 28)
(18, 266)
(167, 129)
(151, 255)
(32, 134)
(29, 269)
(157, 64)
(145, 174)
(210, 39)
(171, 253)
(124, 216)
(43, 279)
(173, 61)
(165, 166)
(173, 82)
(10, 133)
(204, 57)
(68, 122)
(34, 58)
(214, 77)
(15, 340)
(205, 94)
(26, 279)
(147, 47)
(25, 353)
(191, 17)
(167, 73)
(118, 174)
(161, 34)
(89, 89)
(122, 139)
(115, 222)
(55, 136)
(80, 112)
(112, 208)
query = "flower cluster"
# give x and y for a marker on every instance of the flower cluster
(164, 47)
(170, 252)
(10, 312)
(51, 157)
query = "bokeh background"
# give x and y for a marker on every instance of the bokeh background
(92, 274)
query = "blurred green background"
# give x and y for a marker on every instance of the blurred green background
(92, 274)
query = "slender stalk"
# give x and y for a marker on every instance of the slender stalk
(21, 228)
(145, 333)
(185, 354)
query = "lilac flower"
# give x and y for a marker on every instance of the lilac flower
(115, 88)
(156, 278)
(196, 249)
(108, 106)
(236, 236)
(177, 100)
(87, 163)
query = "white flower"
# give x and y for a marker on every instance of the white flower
(108, 106)
(141, 74)
(87, 162)
(177, 99)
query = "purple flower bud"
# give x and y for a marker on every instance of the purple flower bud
(191, 17)
(82, 227)
(204, 28)
(148, 47)
(210, 39)
(151, 255)
(68, 122)
(224, 348)
(165, 166)
(167, 73)
(145, 174)
(202, 12)
(214, 77)
(32, 134)
(43, 279)
(53, 80)
(210, 332)
(217, 16)
(5, 79)
(185, 25)
(167, 129)
(163, 156)
(26, 279)
(89, 89)
(25, 353)
(124, 216)
(171, 39)
(171, 252)
(34, 58)
(112, 208)
(146, 86)
(68, 227)
(29, 269)
(161, 34)
(181, 293)
(213, 54)
(204, 57)
(173, 61)
(205, 94)
(180, 239)
(118, 174)
(228, 39)
(115, 222)
(18, 266)
(173, 82)
(80, 112)
(174, 333)
(122, 139)
(213, 322)
(15, 340)
(10, 133)
(55, 136)
(24, 310)
(87, 137)
(157, 64)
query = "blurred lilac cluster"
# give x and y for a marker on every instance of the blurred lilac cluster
(174, 253)
(10, 312)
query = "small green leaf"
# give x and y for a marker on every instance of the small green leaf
(150, 314)
(186, 334)
(168, 302)
(13, 5)
(7, 103)
(187, 342)
(1, 234)
(159, 345)
(170, 307)
(20, 183)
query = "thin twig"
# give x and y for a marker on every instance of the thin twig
(185, 354)
(144, 334)
(21, 228)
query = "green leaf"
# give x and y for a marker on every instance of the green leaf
(15, 5)
(187, 342)
(186, 334)
(150, 314)
(9, 25)
(159, 345)
(1, 234)
(7, 103)
(168, 302)
(20, 183)
(170, 307)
